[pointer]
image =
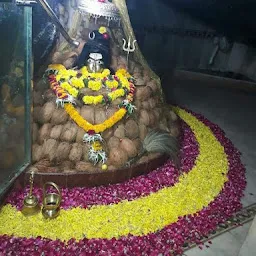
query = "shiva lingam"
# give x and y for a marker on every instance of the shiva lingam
(51, 202)
(30, 204)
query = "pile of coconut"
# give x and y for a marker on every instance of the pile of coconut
(58, 142)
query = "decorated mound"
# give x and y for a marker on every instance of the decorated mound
(94, 117)
(148, 215)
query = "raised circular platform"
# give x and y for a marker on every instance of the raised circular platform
(92, 179)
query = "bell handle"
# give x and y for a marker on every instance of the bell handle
(50, 183)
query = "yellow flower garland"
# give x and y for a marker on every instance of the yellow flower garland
(72, 91)
(92, 99)
(194, 191)
(72, 84)
(95, 85)
(80, 121)
(86, 74)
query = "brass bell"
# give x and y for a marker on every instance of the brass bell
(51, 202)
(30, 204)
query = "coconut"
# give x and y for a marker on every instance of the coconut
(136, 75)
(138, 144)
(80, 134)
(145, 104)
(143, 93)
(66, 166)
(173, 116)
(140, 81)
(143, 130)
(63, 151)
(42, 165)
(175, 131)
(152, 102)
(69, 62)
(137, 69)
(153, 85)
(44, 133)
(147, 92)
(87, 112)
(40, 85)
(117, 101)
(76, 152)
(113, 142)
(152, 119)
(157, 114)
(69, 132)
(47, 112)
(129, 147)
(34, 132)
(163, 125)
(37, 99)
(56, 57)
(144, 117)
(107, 134)
(138, 105)
(120, 131)
(131, 129)
(37, 153)
(146, 76)
(85, 154)
(85, 167)
(59, 116)
(56, 132)
(37, 114)
(118, 157)
(49, 149)
(100, 115)
(49, 95)
(139, 94)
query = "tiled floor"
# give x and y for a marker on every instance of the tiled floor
(227, 244)
(234, 111)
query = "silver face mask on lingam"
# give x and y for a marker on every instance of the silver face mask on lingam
(95, 63)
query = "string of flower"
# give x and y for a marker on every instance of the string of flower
(66, 85)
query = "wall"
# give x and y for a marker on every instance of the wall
(186, 43)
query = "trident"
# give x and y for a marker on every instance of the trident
(129, 48)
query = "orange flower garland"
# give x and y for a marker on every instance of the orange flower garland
(81, 122)
(66, 92)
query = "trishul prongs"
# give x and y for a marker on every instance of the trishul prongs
(128, 47)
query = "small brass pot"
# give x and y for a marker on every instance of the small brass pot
(51, 202)
(30, 205)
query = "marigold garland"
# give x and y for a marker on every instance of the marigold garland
(192, 193)
(80, 121)
(120, 83)
(66, 85)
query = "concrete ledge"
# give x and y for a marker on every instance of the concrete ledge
(210, 80)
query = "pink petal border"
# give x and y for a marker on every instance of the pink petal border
(170, 239)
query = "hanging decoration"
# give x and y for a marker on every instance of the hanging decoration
(100, 8)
